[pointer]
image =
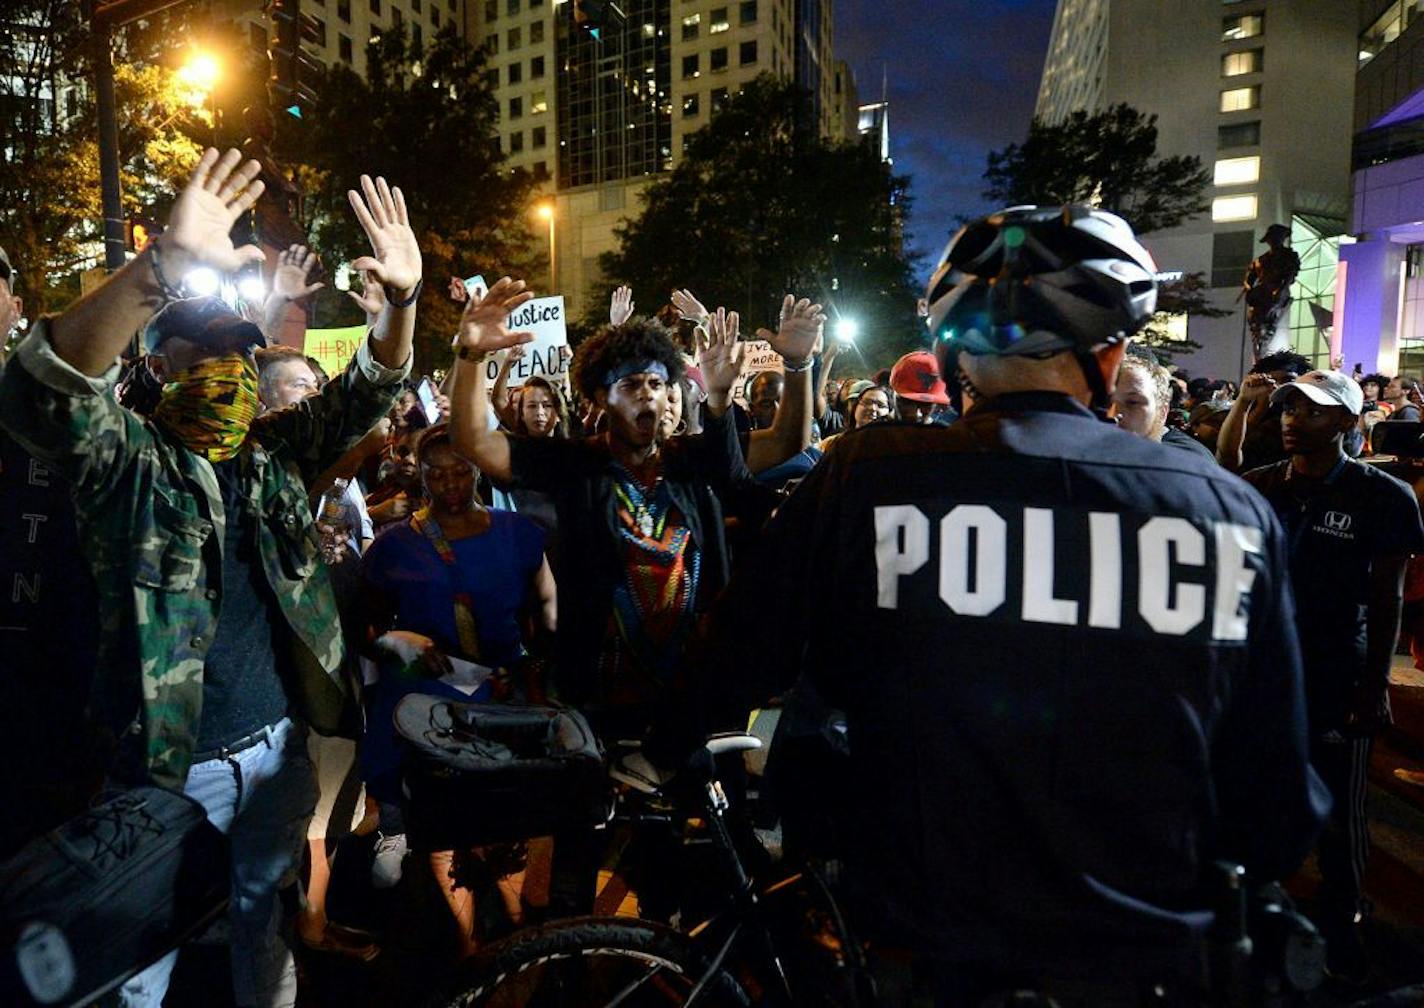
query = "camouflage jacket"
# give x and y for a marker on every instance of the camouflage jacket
(150, 518)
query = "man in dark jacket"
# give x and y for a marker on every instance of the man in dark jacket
(1086, 686)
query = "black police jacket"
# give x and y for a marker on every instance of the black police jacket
(1070, 675)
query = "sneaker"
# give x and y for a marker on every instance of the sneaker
(637, 771)
(389, 856)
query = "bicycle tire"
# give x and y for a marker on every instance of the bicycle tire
(582, 962)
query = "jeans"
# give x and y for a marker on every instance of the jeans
(261, 798)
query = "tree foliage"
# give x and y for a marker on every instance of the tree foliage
(427, 122)
(761, 205)
(1107, 159)
(50, 208)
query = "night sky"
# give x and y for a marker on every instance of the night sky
(962, 77)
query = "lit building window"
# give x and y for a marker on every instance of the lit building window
(1234, 208)
(690, 26)
(538, 102)
(1241, 99)
(1237, 170)
(1242, 27)
(1238, 63)
(1387, 27)
(720, 21)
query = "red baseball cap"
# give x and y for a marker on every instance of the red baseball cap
(916, 377)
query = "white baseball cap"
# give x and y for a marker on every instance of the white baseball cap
(1327, 388)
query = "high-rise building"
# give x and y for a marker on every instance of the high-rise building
(1261, 92)
(873, 124)
(341, 28)
(1380, 312)
(601, 117)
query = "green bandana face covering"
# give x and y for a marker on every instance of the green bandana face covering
(210, 407)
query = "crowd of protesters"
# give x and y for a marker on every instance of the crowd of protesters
(267, 541)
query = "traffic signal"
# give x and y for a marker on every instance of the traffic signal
(138, 232)
(296, 73)
(596, 16)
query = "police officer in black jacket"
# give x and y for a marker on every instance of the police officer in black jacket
(1065, 653)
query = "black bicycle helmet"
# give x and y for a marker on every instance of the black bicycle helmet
(1037, 280)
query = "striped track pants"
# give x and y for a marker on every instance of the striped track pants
(1345, 842)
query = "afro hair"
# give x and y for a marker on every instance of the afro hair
(638, 339)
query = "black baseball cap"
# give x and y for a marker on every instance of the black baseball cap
(202, 320)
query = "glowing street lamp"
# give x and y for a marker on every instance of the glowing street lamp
(201, 72)
(847, 330)
(545, 211)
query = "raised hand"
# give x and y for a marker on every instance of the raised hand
(802, 324)
(371, 299)
(516, 353)
(458, 292)
(289, 280)
(720, 353)
(689, 307)
(484, 325)
(395, 259)
(199, 226)
(620, 308)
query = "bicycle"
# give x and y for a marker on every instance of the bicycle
(788, 943)
(747, 953)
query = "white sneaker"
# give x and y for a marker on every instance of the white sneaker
(390, 852)
(638, 772)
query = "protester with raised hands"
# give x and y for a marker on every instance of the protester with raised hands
(289, 284)
(220, 640)
(641, 542)
(620, 306)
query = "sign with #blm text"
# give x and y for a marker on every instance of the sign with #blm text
(334, 348)
(758, 356)
(547, 356)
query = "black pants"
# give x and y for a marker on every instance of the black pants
(1345, 843)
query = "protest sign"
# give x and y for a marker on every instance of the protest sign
(758, 356)
(546, 357)
(334, 348)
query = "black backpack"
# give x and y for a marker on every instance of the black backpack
(478, 773)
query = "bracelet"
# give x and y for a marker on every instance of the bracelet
(798, 367)
(169, 292)
(472, 356)
(414, 295)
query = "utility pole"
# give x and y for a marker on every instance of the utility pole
(103, 18)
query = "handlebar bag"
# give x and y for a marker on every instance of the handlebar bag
(482, 773)
(89, 904)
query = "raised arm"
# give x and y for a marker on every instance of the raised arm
(1249, 406)
(394, 263)
(823, 375)
(484, 328)
(501, 397)
(91, 334)
(289, 283)
(802, 326)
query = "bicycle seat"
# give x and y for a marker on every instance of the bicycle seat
(726, 742)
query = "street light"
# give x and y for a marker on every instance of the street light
(847, 330)
(545, 211)
(201, 72)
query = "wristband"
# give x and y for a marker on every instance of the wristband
(797, 367)
(394, 302)
(169, 292)
(472, 356)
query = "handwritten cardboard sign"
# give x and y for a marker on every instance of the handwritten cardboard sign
(547, 356)
(334, 348)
